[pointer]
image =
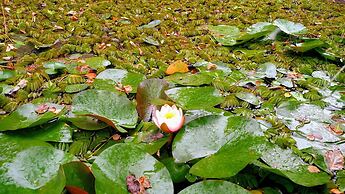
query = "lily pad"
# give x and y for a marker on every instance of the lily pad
(246, 144)
(290, 27)
(30, 166)
(25, 116)
(224, 34)
(113, 165)
(268, 70)
(53, 67)
(190, 79)
(284, 162)
(199, 138)
(5, 74)
(97, 62)
(109, 107)
(308, 44)
(261, 27)
(195, 97)
(151, 40)
(214, 186)
(74, 88)
(152, 24)
(248, 97)
(86, 122)
(53, 132)
(148, 91)
(123, 77)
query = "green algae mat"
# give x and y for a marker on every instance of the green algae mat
(172, 97)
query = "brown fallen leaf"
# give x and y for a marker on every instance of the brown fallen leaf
(211, 66)
(91, 76)
(116, 137)
(177, 67)
(334, 159)
(313, 169)
(335, 191)
(133, 185)
(42, 109)
(335, 129)
(137, 186)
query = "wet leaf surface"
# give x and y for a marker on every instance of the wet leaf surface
(109, 107)
(199, 138)
(149, 91)
(30, 166)
(190, 97)
(117, 162)
(213, 186)
(25, 116)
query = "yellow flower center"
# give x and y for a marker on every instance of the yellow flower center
(169, 115)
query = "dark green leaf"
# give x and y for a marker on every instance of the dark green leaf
(97, 62)
(79, 175)
(25, 116)
(199, 138)
(120, 76)
(74, 88)
(52, 132)
(214, 186)
(188, 79)
(5, 74)
(195, 97)
(226, 35)
(148, 91)
(284, 162)
(29, 166)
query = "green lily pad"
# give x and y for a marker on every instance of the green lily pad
(25, 116)
(122, 76)
(284, 162)
(260, 27)
(224, 34)
(268, 70)
(30, 166)
(214, 186)
(52, 67)
(53, 132)
(290, 27)
(308, 44)
(79, 176)
(195, 97)
(117, 162)
(97, 62)
(151, 40)
(109, 107)
(5, 74)
(152, 24)
(248, 97)
(74, 88)
(148, 91)
(86, 122)
(188, 79)
(246, 144)
(199, 138)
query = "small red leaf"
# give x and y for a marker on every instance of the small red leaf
(334, 159)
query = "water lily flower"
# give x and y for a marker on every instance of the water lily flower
(169, 119)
